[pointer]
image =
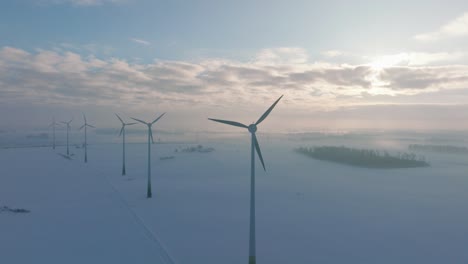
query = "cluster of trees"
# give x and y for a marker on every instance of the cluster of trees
(439, 148)
(363, 157)
(198, 148)
(13, 210)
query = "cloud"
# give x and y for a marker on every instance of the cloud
(141, 41)
(64, 81)
(416, 59)
(47, 77)
(455, 28)
(342, 75)
(390, 116)
(425, 78)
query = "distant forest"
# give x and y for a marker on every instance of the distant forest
(439, 148)
(363, 157)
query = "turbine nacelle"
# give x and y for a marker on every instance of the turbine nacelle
(255, 147)
(67, 123)
(252, 128)
(150, 132)
(150, 140)
(85, 123)
(123, 124)
(53, 124)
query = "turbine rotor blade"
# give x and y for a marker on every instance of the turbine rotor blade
(151, 135)
(84, 117)
(232, 123)
(268, 111)
(141, 121)
(90, 126)
(157, 118)
(121, 131)
(119, 118)
(129, 124)
(259, 152)
(82, 127)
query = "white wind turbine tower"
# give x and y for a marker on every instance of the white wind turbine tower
(85, 126)
(68, 130)
(150, 140)
(53, 125)
(254, 148)
(122, 133)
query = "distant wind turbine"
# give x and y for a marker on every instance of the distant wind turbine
(122, 133)
(68, 130)
(85, 126)
(255, 147)
(53, 125)
(150, 140)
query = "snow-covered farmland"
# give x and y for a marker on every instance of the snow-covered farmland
(308, 211)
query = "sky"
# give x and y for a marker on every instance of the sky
(341, 65)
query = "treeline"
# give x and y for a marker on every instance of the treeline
(439, 148)
(193, 149)
(363, 157)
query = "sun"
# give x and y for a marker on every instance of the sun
(378, 65)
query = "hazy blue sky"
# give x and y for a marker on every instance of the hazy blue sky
(340, 64)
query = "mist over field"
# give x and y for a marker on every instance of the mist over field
(199, 209)
(148, 131)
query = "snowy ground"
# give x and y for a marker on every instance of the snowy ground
(308, 211)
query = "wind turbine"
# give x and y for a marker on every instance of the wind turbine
(53, 125)
(68, 130)
(122, 133)
(85, 126)
(150, 139)
(255, 147)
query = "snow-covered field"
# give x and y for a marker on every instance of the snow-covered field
(308, 211)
